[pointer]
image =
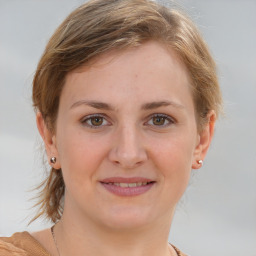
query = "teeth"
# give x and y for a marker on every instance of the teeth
(124, 185)
(129, 185)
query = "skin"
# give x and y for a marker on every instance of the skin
(128, 142)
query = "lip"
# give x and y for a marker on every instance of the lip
(108, 184)
(125, 180)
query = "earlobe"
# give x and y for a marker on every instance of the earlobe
(49, 141)
(205, 138)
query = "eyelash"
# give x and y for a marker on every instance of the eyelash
(166, 117)
(90, 117)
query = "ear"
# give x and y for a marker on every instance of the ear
(49, 139)
(204, 140)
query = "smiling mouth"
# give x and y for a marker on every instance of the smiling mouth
(129, 185)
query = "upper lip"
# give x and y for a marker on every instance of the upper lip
(126, 180)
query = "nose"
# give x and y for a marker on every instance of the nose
(128, 151)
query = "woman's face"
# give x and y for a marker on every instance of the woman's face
(126, 137)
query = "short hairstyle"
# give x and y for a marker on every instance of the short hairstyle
(99, 26)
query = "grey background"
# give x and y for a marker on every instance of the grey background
(217, 215)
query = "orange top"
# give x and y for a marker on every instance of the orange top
(23, 244)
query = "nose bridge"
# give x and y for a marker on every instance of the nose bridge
(128, 150)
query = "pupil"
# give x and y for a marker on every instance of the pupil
(158, 120)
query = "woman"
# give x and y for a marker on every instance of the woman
(127, 97)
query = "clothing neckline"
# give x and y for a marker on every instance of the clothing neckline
(178, 252)
(37, 242)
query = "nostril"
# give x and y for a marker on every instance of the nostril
(127, 156)
(126, 165)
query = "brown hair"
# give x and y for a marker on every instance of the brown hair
(99, 26)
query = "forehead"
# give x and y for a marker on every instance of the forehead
(152, 51)
(148, 71)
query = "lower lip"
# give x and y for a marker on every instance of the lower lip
(133, 191)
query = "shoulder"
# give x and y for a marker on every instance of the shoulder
(7, 248)
(21, 244)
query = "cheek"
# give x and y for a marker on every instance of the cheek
(175, 152)
(173, 158)
(80, 157)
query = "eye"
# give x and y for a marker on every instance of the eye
(161, 120)
(95, 121)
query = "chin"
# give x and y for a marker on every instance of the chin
(126, 224)
(127, 219)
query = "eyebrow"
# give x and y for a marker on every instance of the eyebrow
(158, 104)
(94, 104)
(146, 106)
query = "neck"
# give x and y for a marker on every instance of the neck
(81, 237)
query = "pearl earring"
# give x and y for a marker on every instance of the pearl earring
(201, 162)
(53, 160)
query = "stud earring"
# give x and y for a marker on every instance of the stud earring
(201, 162)
(53, 160)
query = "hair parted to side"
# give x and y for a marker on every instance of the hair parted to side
(99, 26)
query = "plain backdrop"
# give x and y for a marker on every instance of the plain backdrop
(217, 215)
